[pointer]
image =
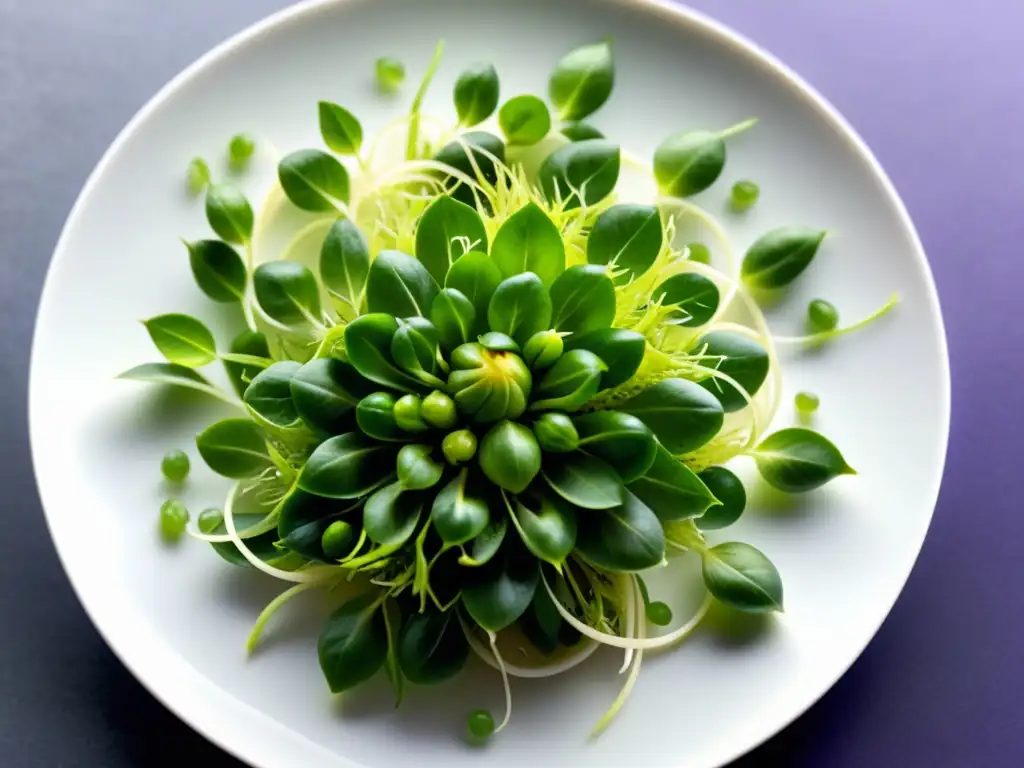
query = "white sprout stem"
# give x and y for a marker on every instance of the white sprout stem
(493, 638)
(577, 656)
(634, 672)
(815, 338)
(632, 612)
(738, 128)
(268, 523)
(271, 609)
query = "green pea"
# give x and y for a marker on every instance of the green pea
(459, 447)
(240, 150)
(173, 518)
(699, 253)
(198, 175)
(481, 724)
(806, 402)
(822, 316)
(438, 410)
(175, 466)
(210, 520)
(659, 614)
(337, 539)
(390, 74)
(744, 195)
(407, 414)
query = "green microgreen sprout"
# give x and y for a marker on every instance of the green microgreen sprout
(744, 195)
(240, 150)
(390, 74)
(175, 466)
(173, 519)
(197, 176)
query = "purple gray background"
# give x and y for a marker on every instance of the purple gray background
(936, 89)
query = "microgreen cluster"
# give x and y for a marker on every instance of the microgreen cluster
(496, 393)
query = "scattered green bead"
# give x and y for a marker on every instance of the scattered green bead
(337, 539)
(210, 520)
(659, 614)
(459, 447)
(175, 466)
(407, 414)
(806, 402)
(438, 410)
(744, 194)
(240, 150)
(699, 253)
(822, 316)
(198, 175)
(173, 518)
(390, 74)
(481, 724)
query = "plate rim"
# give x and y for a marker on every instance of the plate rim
(677, 13)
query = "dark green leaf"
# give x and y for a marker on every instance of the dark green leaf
(529, 241)
(584, 480)
(623, 538)
(432, 647)
(742, 359)
(582, 300)
(229, 213)
(476, 94)
(353, 643)
(399, 285)
(582, 80)
(797, 460)
(182, 339)
(509, 456)
(392, 626)
(313, 180)
(460, 513)
(417, 470)
(375, 416)
(672, 490)
(345, 262)
(625, 442)
(288, 292)
(731, 494)
(542, 623)
(580, 132)
(628, 236)
(218, 270)
(269, 396)
(325, 391)
(347, 467)
(683, 415)
(467, 154)
(303, 518)
(234, 448)
(263, 545)
(583, 170)
(368, 346)
(524, 120)
(498, 593)
(390, 516)
(694, 297)
(621, 350)
(570, 383)
(476, 276)
(254, 344)
(447, 230)
(520, 306)
(485, 546)
(547, 524)
(689, 162)
(414, 349)
(779, 257)
(742, 577)
(340, 129)
(555, 433)
(454, 316)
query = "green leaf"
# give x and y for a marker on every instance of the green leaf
(625, 442)
(170, 373)
(683, 415)
(582, 300)
(269, 396)
(582, 80)
(509, 456)
(555, 433)
(368, 346)
(218, 270)
(414, 349)
(325, 391)
(432, 647)
(303, 518)
(345, 263)
(262, 545)
(476, 94)
(392, 625)
(467, 154)
(484, 547)
(234, 448)
(229, 213)
(340, 129)
(546, 523)
(584, 171)
(672, 490)
(288, 292)
(729, 491)
(543, 349)
(580, 132)
(584, 480)
(254, 344)
(447, 230)
(313, 180)
(476, 276)
(460, 513)
(390, 516)
(520, 306)
(570, 383)
(797, 460)
(742, 358)
(742, 577)
(353, 643)
(626, 538)
(498, 593)
(628, 236)
(524, 120)
(528, 241)
(496, 341)
(375, 416)
(417, 471)
(399, 286)
(182, 339)
(693, 296)
(347, 466)
(689, 162)
(621, 350)
(453, 315)
(779, 257)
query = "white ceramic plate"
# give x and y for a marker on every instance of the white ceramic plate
(178, 618)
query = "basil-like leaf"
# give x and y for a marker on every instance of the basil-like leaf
(528, 241)
(347, 466)
(672, 490)
(779, 257)
(233, 448)
(459, 514)
(313, 180)
(580, 132)
(448, 230)
(584, 480)
(325, 391)
(472, 154)
(340, 129)
(619, 349)
(556, 433)
(683, 415)
(742, 359)
(583, 172)
(509, 456)
(375, 416)
(625, 442)
(454, 317)
(353, 643)
(582, 300)
(253, 344)
(485, 546)
(399, 286)
(417, 470)
(476, 277)
(288, 292)
(499, 592)
(796, 460)
(218, 270)
(543, 349)
(520, 306)
(689, 162)
(182, 339)
(302, 520)
(368, 346)
(582, 80)
(476, 94)
(345, 263)
(524, 120)
(570, 383)
(229, 213)
(741, 576)
(627, 537)
(432, 647)
(390, 516)
(731, 494)
(269, 396)
(693, 297)
(414, 349)
(547, 524)
(629, 237)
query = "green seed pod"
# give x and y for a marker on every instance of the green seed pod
(459, 447)
(375, 415)
(438, 410)
(489, 384)
(543, 349)
(510, 456)
(337, 539)
(556, 433)
(407, 414)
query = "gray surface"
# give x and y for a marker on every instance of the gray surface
(937, 90)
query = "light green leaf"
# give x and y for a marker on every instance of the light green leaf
(313, 180)
(182, 339)
(529, 241)
(340, 129)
